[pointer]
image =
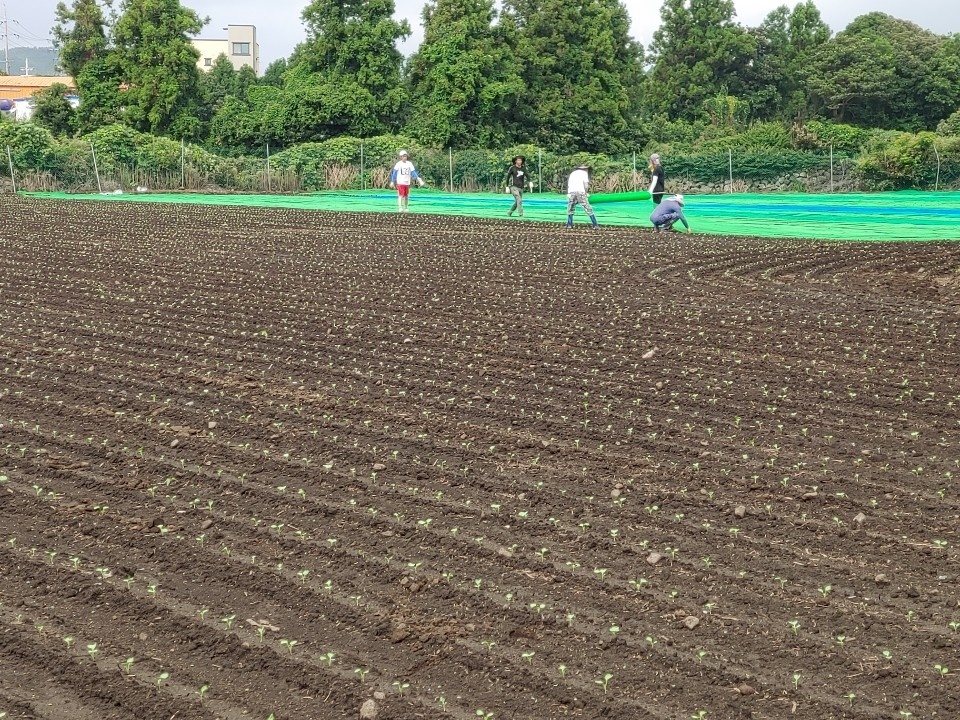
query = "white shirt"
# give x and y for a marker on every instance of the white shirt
(404, 172)
(579, 181)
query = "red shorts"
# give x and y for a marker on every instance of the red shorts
(403, 190)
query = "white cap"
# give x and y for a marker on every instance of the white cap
(402, 153)
(678, 198)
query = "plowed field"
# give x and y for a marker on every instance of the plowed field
(274, 462)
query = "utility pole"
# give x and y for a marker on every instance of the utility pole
(6, 41)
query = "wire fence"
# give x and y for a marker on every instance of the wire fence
(462, 171)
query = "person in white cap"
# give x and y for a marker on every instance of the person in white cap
(667, 213)
(578, 185)
(657, 186)
(403, 174)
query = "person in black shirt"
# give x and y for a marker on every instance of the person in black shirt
(657, 186)
(516, 182)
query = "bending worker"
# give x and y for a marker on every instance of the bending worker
(667, 213)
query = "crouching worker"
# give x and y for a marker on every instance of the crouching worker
(667, 213)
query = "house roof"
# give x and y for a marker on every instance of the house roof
(14, 87)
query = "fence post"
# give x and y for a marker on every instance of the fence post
(269, 184)
(183, 164)
(363, 180)
(634, 170)
(13, 180)
(451, 168)
(936, 187)
(96, 170)
(539, 170)
(730, 166)
(831, 167)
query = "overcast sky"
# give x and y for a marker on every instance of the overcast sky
(279, 27)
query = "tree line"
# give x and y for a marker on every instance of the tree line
(563, 74)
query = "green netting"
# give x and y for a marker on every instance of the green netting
(906, 215)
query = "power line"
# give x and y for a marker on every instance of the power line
(29, 34)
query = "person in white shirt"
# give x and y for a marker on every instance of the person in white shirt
(578, 184)
(403, 174)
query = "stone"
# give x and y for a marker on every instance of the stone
(859, 518)
(691, 622)
(740, 511)
(654, 557)
(379, 466)
(369, 710)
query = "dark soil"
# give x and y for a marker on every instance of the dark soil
(465, 468)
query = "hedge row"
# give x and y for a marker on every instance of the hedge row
(884, 161)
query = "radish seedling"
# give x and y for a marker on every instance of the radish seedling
(288, 644)
(400, 687)
(362, 672)
(69, 642)
(528, 656)
(604, 682)
(126, 665)
(228, 621)
(796, 680)
(202, 692)
(328, 659)
(942, 669)
(484, 715)
(699, 715)
(562, 669)
(92, 651)
(161, 679)
(442, 702)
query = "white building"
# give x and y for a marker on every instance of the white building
(240, 46)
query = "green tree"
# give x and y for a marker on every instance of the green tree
(52, 110)
(218, 82)
(940, 85)
(80, 34)
(785, 41)
(697, 51)
(464, 79)
(102, 98)
(158, 63)
(886, 73)
(347, 72)
(581, 69)
(273, 75)
(850, 75)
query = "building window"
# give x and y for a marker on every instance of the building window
(241, 48)
(207, 62)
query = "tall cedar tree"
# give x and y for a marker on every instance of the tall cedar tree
(786, 39)
(698, 52)
(345, 78)
(80, 35)
(580, 66)
(158, 64)
(464, 79)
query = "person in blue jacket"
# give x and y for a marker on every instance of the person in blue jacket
(667, 213)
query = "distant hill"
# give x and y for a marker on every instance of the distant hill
(42, 61)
